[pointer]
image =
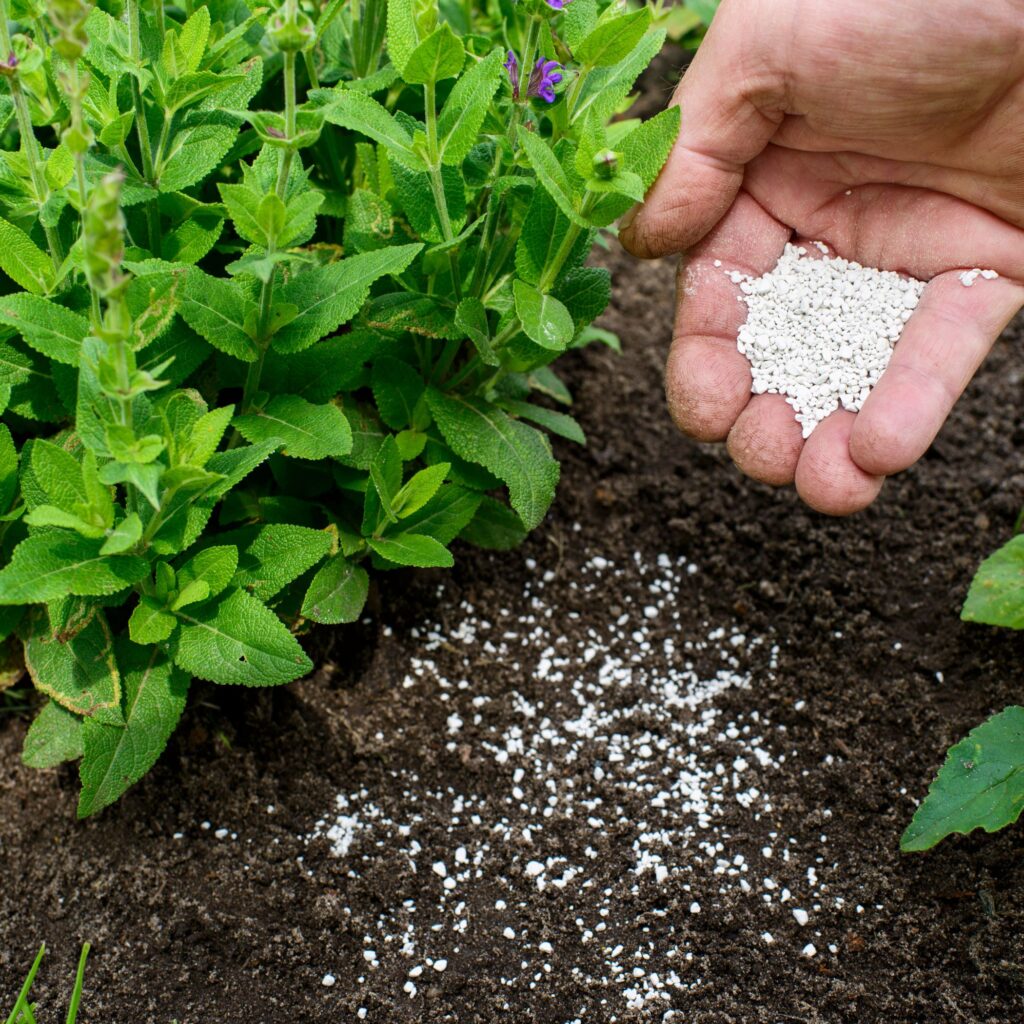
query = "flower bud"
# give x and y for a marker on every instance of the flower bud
(103, 236)
(606, 164)
(69, 16)
(291, 30)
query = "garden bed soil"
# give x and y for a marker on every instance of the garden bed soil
(589, 780)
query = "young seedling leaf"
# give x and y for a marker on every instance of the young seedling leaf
(996, 596)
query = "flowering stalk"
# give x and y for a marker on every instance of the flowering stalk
(141, 126)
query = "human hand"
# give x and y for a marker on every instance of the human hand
(894, 133)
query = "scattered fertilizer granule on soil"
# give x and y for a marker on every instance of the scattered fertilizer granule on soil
(821, 330)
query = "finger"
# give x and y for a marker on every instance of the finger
(765, 441)
(941, 348)
(827, 478)
(731, 99)
(707, 380)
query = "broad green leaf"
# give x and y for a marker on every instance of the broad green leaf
(124, 536)
(440, 56)
(419, 489)
(216, 309)
(116, 757)
(55, 736)
(585, 293)
(50, 329)
(471, 318)
(195, 152)
(79, 670)
(557, 422)
(59, 474)
(51, 565)
(613, 39)
(330, 296)
(23, 261)
(981, 785)
(150, 622)
(397, 388)
(337, 593)
(545, 320)
(996, 596)
(458, 127)
(8, 469)
(214, 566)
(403, 36)
(307, 431)
(578, 20)
(446, 514)
(279, 554)
(238, 641)
(494, 527)
(361, 113)
(514, 452)
(550, 174)
(413, 549)
(606, 88)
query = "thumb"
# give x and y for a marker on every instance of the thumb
(732, 102)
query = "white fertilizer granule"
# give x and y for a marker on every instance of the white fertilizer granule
(821, 331)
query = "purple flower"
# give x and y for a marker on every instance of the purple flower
(543, 79)
(511, 65)
(557, 5)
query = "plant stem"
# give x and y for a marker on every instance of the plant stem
(141, 125)
(574, 93)
(75, 101)
(437, 182)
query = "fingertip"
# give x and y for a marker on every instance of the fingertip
(888, 438)
(827, 478)
(707, 385)
(765, 441)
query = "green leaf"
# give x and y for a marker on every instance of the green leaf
(49, 565)
(279, 554)
(397, 388)
(419, 489)
(307, 431)
(238, 641)
(446, 514)
(116, 757)
(150, 623)
(613, 39)
(545, 320)
(550, 174)
(361, 113)
(47, 327)
(981, 785)
(55, 736)
(216, 309)
(585, 293)
(403, 36)
(606, 88)
(514, 452)
(440, 56)
(557, 422)
(471, 318)
(413, 549)
(8, 469)
(996, 596)
(458, 128)
(23, 261)
(124, 536)
(79, 670)
(213, 566)
(337, 593)
(495, 527)
(578, 21)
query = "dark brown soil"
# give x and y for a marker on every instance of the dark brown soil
(203, 929)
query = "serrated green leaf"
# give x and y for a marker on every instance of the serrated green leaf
(458, 127)
(585, 293)
(337, 593)
(361, 113)
(551, 174)
(613, 39)
(77, 669)
(124, 536)
(446, 514)
(279, 554)
(23, 261)
(214, 566)
(49, 565)
(403, 36)
(8, 469)
(495, 527)
(440, 56)
(996, 596)
(545, 320)
(413, 549)
(981, 785)
(50, 329)
(116, 757)
(55, 736)
(307, 431)
(150, 622)
(216, 309)
(606, 88)
(397, 388)
(419, 489)
(471, 318)
(557, 422)
(330, 296)
(238, 641)
(514, 452)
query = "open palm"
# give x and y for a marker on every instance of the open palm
(893, 134)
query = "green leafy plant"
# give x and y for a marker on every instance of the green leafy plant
(24, 1012)
(285, 288)
(981, 784)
